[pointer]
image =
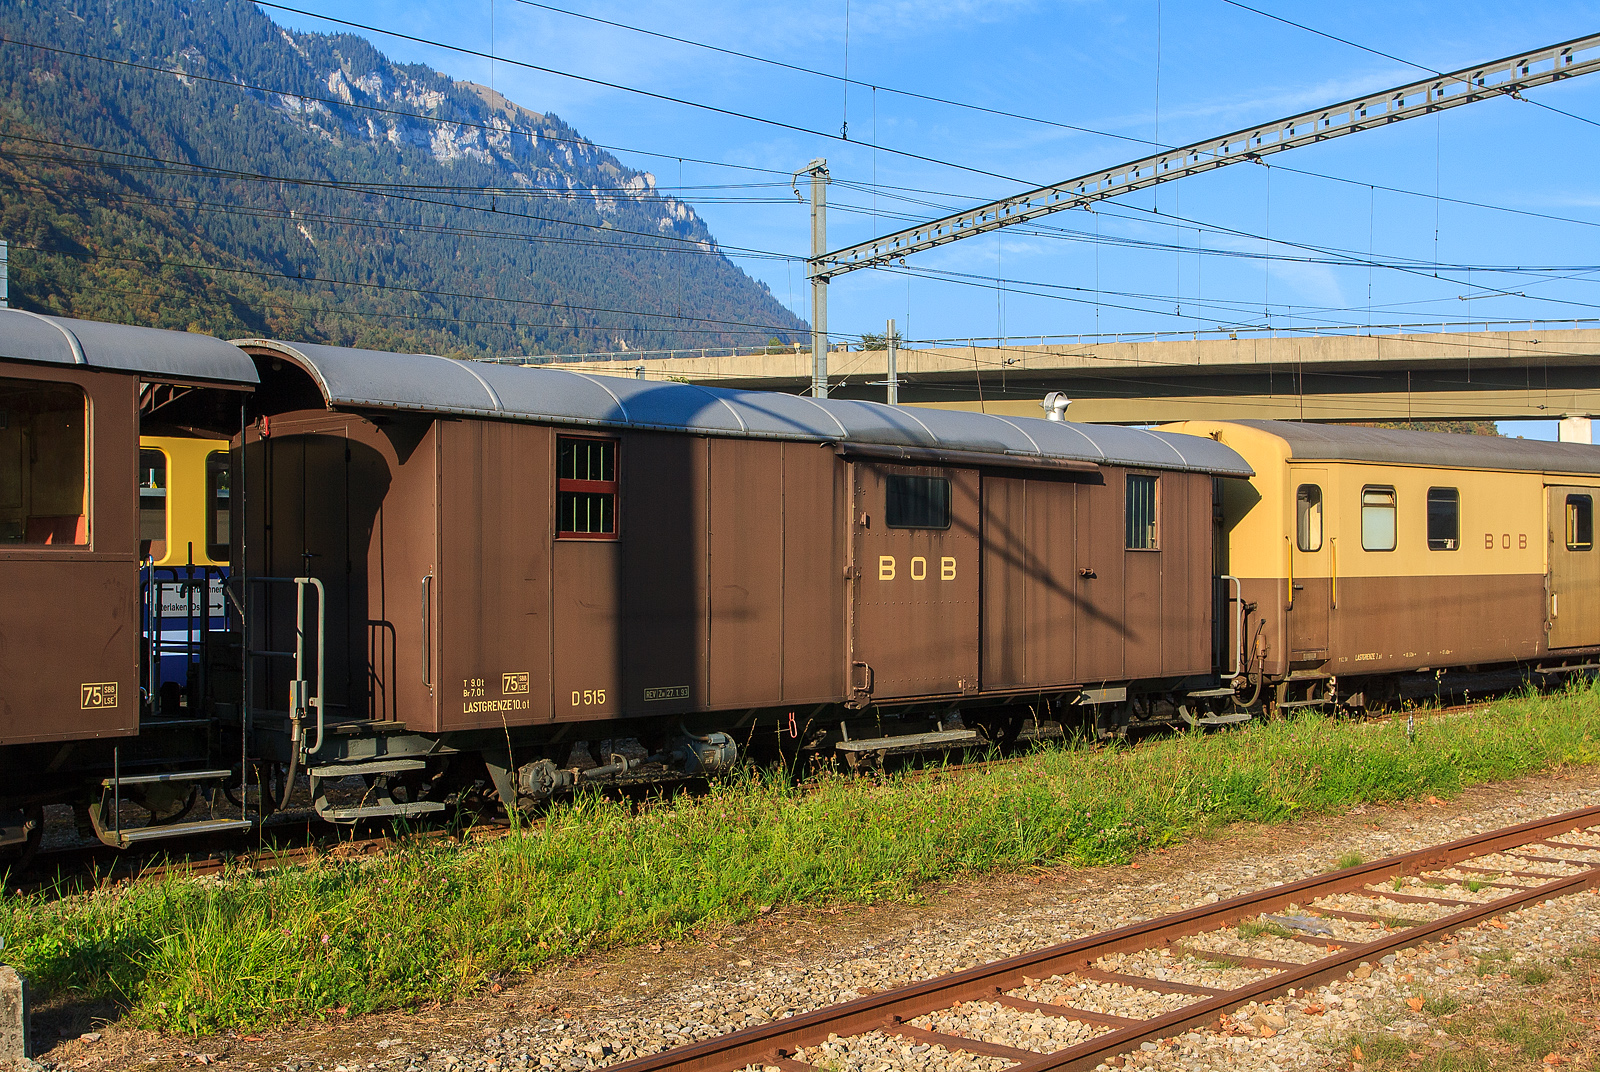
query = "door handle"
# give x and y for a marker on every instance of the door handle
(868, 678)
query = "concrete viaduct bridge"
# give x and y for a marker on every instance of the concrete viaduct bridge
(1432, 375)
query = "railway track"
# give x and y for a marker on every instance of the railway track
(1317, 930)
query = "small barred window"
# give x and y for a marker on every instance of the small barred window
(586, 488)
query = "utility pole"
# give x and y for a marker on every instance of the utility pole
(818, 170)
(5, 274)
(893, 377)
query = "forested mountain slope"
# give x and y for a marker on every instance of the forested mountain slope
(232, 177)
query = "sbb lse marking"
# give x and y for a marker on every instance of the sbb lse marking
(98, 695)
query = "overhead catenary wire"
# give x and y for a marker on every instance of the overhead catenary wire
(390, 287)
(912, 94)
(1390, 56)
(622, 87)
(887, 190)
(734, 251)
(173, 167)
(314, 217)
(398, 112)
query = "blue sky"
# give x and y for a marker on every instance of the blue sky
(1222, 249)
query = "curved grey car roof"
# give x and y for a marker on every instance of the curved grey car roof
(370, 379)
(58, 340)
(1396, 446)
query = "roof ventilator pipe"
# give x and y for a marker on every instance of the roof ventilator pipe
(1055, 406)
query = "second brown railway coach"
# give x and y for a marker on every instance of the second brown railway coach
(512, 555)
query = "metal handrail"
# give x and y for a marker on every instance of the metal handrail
(427, 630)
(301, 583)
(1238, 620)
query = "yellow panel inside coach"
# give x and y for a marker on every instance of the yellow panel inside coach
(184, 501)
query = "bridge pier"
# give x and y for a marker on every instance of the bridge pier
(1576, 430)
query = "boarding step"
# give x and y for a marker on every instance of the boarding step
(381, 811)
(170, 776)
(1321, 701)
(1210, 694)
(1219, 720)
(1548, 670)
(337, 726)
(373, 766)
(940, 739)
(178, 830)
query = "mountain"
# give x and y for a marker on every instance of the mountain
(191, 164)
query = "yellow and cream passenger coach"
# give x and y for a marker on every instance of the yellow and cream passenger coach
(1371, 551)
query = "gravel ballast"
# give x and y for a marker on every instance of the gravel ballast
(602, 1011)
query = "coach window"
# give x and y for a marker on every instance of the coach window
(586, 488)
(1308, 517)
(43, 488)
(1377, 519)
(1580, 522)
(917, 502)
(219, 506)
(1141, 514)
(1444, 519)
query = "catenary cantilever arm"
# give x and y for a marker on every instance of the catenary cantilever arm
(1503, 77)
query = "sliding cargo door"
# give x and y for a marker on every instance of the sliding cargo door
(1574, 577)
(491, 595)
(914, 609)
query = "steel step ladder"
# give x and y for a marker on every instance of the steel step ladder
(105, 814)
(378, 802)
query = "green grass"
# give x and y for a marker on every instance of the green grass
(1255, 928)
(435, 920)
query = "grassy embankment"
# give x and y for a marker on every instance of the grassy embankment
(433, 921)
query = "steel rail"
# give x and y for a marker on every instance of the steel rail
(1506, 77)
(775, 1044)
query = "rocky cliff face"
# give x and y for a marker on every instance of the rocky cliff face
(372, 192)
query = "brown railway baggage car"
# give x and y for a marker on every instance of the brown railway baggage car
(511, 548)
(1366, 553)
